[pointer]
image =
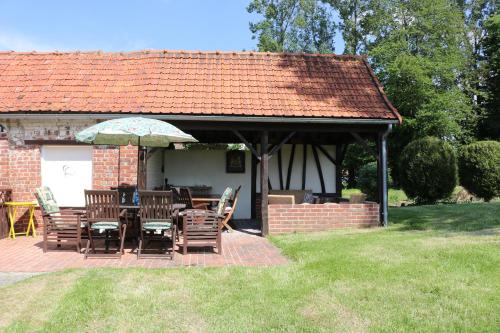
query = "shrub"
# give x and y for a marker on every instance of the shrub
(428, 170)
(479, 169)
(367, 180)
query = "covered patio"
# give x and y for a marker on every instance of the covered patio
(294, 114)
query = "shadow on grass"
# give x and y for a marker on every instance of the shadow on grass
(448, 218)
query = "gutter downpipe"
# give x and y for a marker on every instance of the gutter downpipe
(383, 161)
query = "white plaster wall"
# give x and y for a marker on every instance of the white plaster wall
(154, 173)
(208, 167)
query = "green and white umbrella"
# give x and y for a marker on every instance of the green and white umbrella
(136, 131)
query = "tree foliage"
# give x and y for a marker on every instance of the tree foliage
(437, 59)
(355, 157)
(368, 181)
(490, 122)
(479, 168)
(293, 26)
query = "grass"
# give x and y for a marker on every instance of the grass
(396, 197)
(435, 269)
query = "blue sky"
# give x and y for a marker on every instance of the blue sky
(113, 25)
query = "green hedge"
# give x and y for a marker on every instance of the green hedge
(479, 169)
(428, 170)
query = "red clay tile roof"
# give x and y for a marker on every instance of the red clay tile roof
(198, 83)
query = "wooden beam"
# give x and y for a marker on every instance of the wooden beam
(364, 144)
(318, 166)
(290, 166)
(280, 170)
(327, 154)
(253, 187)
(339, 156)
(282, 142)
(264, 180)
(247, 144)
(304, 166)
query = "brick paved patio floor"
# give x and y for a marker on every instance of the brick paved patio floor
(25, 254)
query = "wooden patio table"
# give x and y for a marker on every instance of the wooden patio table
(12, 207)
(209, 200)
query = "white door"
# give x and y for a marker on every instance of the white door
(67, 170)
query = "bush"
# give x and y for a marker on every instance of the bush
(479, 169)
(428, 170)
(367, 180)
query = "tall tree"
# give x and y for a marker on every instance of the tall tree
(490, 122)
(293, 26)
(353, 24)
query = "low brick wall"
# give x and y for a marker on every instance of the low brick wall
(319, 217)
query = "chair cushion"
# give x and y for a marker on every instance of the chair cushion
(223, 200)
(46, 200)
(105, 225)
(157, 225)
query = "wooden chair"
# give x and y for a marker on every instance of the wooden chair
(229, 208)
(201, 228)
(59, 226)
(184, 196)
(126, 194)
(156, 216)
(103, 215)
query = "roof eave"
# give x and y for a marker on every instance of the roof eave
(220, 118)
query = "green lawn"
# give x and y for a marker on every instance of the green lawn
(436, 269)
(396, 196)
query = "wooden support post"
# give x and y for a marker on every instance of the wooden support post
(339, 158)
(253, 185)
(280, 170)
(290, 166)
(264, 180)
(318, 166)
(304, 167)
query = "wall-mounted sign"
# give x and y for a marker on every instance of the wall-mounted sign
(235, 161)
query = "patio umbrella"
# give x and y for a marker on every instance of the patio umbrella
(137, 131)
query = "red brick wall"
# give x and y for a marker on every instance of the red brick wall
(319, 217)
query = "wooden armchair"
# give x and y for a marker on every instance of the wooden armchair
(103, 216)
(201, 228)
(157, 220)
(58, 226)
(184, 196)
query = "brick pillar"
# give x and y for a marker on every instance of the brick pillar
(106, 169)
(24, 176)
(4, 161)
(128, 165)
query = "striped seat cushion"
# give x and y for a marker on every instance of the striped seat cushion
(157, 225)
(103, 226)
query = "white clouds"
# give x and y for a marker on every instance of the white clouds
(18, 42)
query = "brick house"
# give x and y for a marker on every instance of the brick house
(303, 110)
